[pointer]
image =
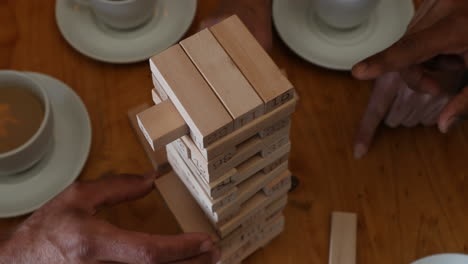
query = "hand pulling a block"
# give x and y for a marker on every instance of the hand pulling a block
(65, 230)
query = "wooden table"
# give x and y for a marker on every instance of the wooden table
(410, 191)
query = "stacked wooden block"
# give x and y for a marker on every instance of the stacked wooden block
(223, 110)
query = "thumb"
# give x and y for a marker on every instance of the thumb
(455, 111)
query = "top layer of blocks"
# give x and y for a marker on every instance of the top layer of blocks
(218, 81)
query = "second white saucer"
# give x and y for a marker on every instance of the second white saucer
(339, 49)
(86, 34)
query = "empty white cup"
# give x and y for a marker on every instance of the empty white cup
(30, 152)
(122, 14)
(343, 14)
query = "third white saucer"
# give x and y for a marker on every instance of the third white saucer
(339, 49)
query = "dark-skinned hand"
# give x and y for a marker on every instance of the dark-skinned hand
(398, 98)
(65, 230)
(439, 31)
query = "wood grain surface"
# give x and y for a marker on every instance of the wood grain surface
(410, 191)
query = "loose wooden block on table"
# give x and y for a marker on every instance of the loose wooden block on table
(274, 120)
(158, 158)
(161, 124)
(253, 61)
(196, 102)
(343, 238)
(231, 87)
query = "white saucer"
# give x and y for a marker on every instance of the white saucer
(80, 28)
(444, 259)
(338, 49)
(27, 191)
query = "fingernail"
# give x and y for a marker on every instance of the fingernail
(206, 246)
(359, 151)
(451, 123)
(360, 70)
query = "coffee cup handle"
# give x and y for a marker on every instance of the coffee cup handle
(82, 2)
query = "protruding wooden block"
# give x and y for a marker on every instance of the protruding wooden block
(221, 73)
(343, 238)
(253, 61)
(192, 96)
(158, 158)
(161, 124)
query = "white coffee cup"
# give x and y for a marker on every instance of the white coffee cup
(344, 14)
(122, 14)
(30, 152)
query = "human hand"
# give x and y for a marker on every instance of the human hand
(256, 15)
(439, 28)
(65, 230)
(395, 103)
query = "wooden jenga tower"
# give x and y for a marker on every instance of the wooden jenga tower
(223, 109)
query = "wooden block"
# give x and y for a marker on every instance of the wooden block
(241, 153)
(161, 124)
(156, 99)
(242, 235)
(184, 208)
(234, 242)
(191, 218)
(253, 61)
(247, 168)
(281, 115)
(220, 209)
(184, 174)
(257, 162)
(217, 188)
(158, 158)
(251, 186)
(343, 238)
(249, 211)
(274, 164)
(211, 204)
(277, 183)
(231, 87)
(198, 105)
(257, 242)
(158, 88)
(183, 150)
